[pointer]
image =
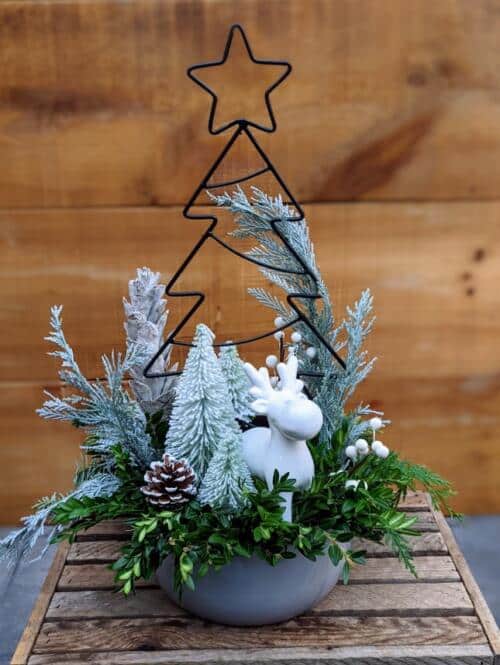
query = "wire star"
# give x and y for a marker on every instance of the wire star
(237, 30)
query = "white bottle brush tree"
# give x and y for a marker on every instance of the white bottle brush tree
(237, 381)
(227, 474)
(203, 428)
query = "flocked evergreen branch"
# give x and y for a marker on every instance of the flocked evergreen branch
(110, 417)
(104, 409)
(145, 320)
(252, 217)
(339, 385)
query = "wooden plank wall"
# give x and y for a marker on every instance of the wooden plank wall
(388, 130)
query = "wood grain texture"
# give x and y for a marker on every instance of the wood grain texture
(483, 611)
(47, 454)
(387, 619)
(92, 604)
(414, 502)
(432, 269)
(306, 631)
(419, 260)
(96, 108)
(109, 550)
(421, 655)
(379, 570)
(426, 543)
(433, 599)
(95, 576)
(38, 613)
(119, 530)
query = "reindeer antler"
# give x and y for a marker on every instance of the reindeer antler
(261, 383)
(288, 375)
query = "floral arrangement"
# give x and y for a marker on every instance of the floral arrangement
(171, 455)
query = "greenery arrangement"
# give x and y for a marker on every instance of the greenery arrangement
(165, 454)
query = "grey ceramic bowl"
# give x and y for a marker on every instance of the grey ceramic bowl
(250, 592)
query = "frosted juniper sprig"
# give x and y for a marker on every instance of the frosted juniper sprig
(252, 217)
(339, 384)
(104, 409)
(146, 318)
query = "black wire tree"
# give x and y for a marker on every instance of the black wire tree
(243, 132)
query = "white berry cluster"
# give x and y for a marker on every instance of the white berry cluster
(361, 447)
(296, 341)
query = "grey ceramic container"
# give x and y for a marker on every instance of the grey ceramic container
(250, 592)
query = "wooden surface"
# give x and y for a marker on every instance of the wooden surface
(391, 100)
(389, 128)
(383, 615)
(436, 343)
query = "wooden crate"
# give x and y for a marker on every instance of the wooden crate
(383, 616)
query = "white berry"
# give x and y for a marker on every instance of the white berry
(296, 337)
(279, 335)
(279, 321)
(382, 451)
(376, 445)
(311, 352)
(362, 446)
(271, 361)
(376, 423)
(351, 452)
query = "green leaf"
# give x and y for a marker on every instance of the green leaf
(335, 553)
(242, 551)
(217, 539)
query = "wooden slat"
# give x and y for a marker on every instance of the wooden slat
(483, 611)
(94, 552)
(390, 569)
(109, 550)
(374, 571)
(30, 633)
(119, 530)
(427, 543)
(420, 262)
(109, 604)
(96, 108)
(421, 655)
(415, 502)
(93, 576)
(425, 521)
(438, 599)
(313, 631)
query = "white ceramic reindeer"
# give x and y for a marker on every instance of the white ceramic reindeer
(292, 418)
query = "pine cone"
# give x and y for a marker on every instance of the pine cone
(169, 483)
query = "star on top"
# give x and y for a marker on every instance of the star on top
(236, 45)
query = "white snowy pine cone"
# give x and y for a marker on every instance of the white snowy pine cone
(169, 482)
